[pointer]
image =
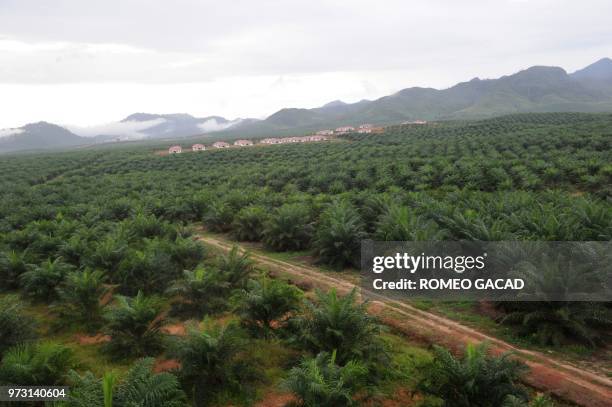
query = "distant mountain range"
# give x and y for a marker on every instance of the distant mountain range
(536, 89)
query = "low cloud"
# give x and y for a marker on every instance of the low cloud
(9, 132)
(214, 125)
(129, 129)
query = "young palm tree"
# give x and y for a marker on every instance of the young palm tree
(40, 282)
(235, 267)
(134, 325)
(550, 321)
(80, 297)
(109, 252)
(139, 387)
(142, 387)
(558, 323)
(200, 292)
(15, 326)
(248, 224)
(398, 223)
(467, 226)
(338, 323)
(339, 235)
(320, 381)
(288, 228)
(151, 269)
(266, 303)
(186, 252)
(12, 265)
(595, 221)
(36, 364)
(209, 361)
(218, 216)
(475, 380)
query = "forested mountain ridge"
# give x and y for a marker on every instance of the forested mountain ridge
(39, 136)
(536, 89)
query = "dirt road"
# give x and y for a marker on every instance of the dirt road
(546, 374)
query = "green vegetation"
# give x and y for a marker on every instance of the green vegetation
(267, 304)
(210, 361)
(320, 381)
(101, 242)
(15, 326)
(474, 380)
(338, 324)
(36, 364)
(140, 387)
(134, 326)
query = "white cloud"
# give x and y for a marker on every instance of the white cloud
(129, 129)
(115, 57)
(9, 132)
(214, 125)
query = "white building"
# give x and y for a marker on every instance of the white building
(175, 150)
(324, 132)
(243, 143)
(344, 129)
(220, 144)
(271, 140)
(198, 147)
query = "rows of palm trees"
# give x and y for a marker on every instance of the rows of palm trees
(345, 357)
(104, 237)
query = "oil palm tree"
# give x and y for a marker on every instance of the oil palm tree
(339, 234)
(36, 364)
(266, 303)
(235, 267)
(474, 380)
(552, 318)
(319, 381)
(209, 359)
(248, 224)
(339, 323)
(288, 228)
(15, 325)
(41, 281)
(398, 223)
(140, 386)
(199, 292)
(80, 297)
(12, 265)
(134, 325)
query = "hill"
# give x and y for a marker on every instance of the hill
(39, 136)
(536, 89)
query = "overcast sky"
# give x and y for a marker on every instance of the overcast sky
(85, 62)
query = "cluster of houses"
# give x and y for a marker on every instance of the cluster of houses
(218, 144)
(286, 140)
(320, 135)
(364, 128)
